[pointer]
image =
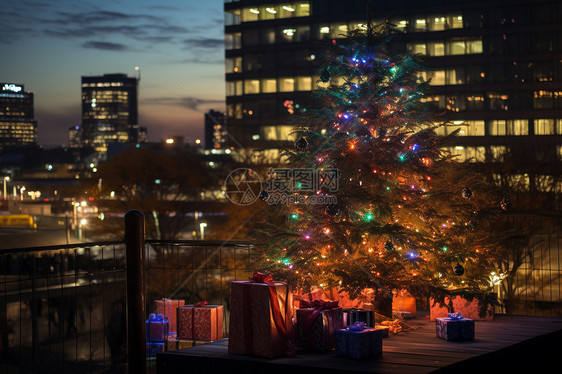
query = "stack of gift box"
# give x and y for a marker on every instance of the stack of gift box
(175, 325)
(266, 321)
(262, 323)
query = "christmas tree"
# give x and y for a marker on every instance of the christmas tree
(372, 200)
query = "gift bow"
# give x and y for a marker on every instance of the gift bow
(280, 319)
(357, 326)
(156, 317)
(319, 304)
(455, 316)
(261, 278)
(201, 304)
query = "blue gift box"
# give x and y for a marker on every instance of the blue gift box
(455, 328)
(152, 348)
(359, 344)
(156, 328)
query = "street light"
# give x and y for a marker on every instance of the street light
(83, 222)
(202, 226)
(6, 179)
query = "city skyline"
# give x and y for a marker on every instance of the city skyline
(178, 46)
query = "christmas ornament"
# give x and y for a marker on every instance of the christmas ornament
(263, 195)
(458, 269)
(301, 144)
(505, 203)
(467, 193)
(325, 76)
(332, 210)
(388, 246)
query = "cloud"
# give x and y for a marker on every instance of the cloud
(192, 103)
(105, 46)
(204, 43)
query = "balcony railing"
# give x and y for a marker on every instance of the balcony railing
(64, 309)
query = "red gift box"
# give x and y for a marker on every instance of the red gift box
(200, 322)
(314, 294)
(260, 318)
(168, 308)
(468, 308)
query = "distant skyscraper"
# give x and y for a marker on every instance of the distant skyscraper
(109, 111)
(75, 137)
(17, 124)
(215, 130)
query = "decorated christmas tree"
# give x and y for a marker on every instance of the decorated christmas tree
(370, 197)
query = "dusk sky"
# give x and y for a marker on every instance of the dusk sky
(178, 45)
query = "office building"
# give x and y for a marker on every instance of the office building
(215, 130)
(17, 123)
(109, 111)
(496, 72)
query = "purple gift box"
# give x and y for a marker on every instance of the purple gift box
(156, 328)
(357, 341)
(316, 325)
(455, 327)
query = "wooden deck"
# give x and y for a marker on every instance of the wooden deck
(508, 344)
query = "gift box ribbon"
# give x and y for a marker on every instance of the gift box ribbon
(357, 327)
(318, 306)
(278, 317)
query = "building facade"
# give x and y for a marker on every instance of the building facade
(496, 72)
(17, 122)
(215, 130)
(109, 111)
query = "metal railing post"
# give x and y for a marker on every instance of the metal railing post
(136, 339)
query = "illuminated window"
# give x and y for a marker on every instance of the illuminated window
(250, 14)
(455, 22)
(417, 48)
(545, 183)
(436, 49)
(304, 83)
(234, 111)
(269, 85)
(466, 128)
(437, 23)
(287, 11)
(303, 9)
(251, 86)
(546, 99)
(338, 31)
(456, 47)
(517, 127)
(519, 181)
(474, 46)
(497, 128)
(268, 12)
(277, 133)
(420, 25)
(544, 126)
(286, 84)
(401, 24)
(438, 78)
(498, 152)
